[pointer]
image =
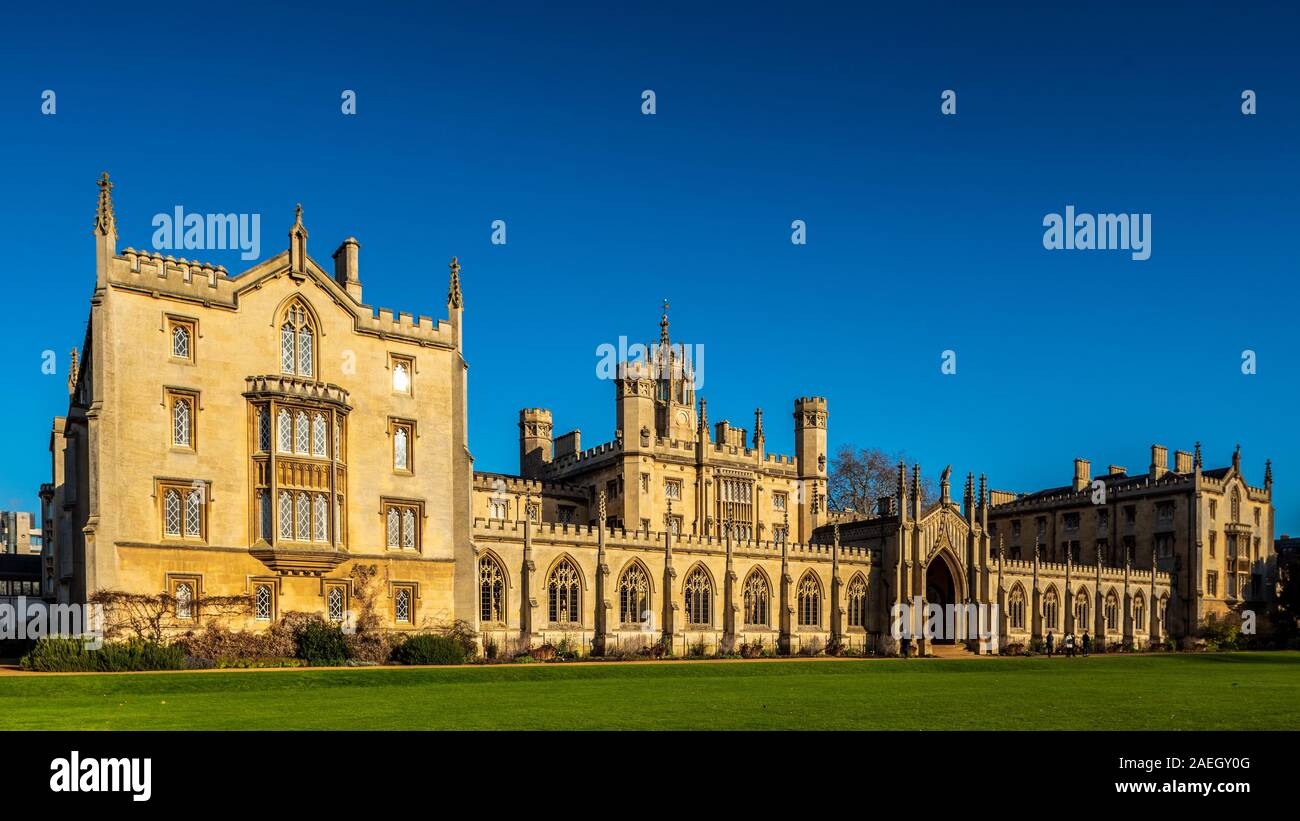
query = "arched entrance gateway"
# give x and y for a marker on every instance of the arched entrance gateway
(941, 590)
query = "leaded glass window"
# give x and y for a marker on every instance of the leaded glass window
(172, 513)
(181, 341)
(320, 517)
(194, 512)
(181, 422)
(699, 597)
(408, 529)
(491, 590)
(184, 600)
(286, 515)
(810, 601)
(335, 604)
(263, 430)
(285, 423)
(633, 595)
(402, 604)
(562, 594)
(858, 602)
(318, 435)
(394, 527)
(304, 517)
(262, 601)
(756, 599)
(302, 440)
(399, 449)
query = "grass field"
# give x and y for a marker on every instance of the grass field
(1210, 691)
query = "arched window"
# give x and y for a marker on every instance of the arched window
(562, 594)
(810, 601)
(1016, 606)
(1081, 611)
(194, 513)
(699, 597)
(297, 356)
(402, 605)
(492, 591)
(858, 602)
(318, 435)
(756, 599)
(408, 529)
(1112, 611)
(633, 595)
(1162, 615)
(335, 604)
(394, 527)
(399, 448)
(1139, 613)
(172, 513)
(184, 601)
(286, 515)
(285, 423)
(180, 341)
(1236, 505)
(401, 377)
(1050, 608)
(181, 411)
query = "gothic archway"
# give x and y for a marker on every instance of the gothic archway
(942, 588)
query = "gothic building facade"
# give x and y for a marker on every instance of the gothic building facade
(267, 433)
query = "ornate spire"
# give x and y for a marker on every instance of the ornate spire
(105, 221)
(454, 299)
(1268, 472)
(74, 369)
(704, 414)
(1197, 459)
(984, 490)
(663, 329)
(298, 242)
(1236, 459)
(758, 427)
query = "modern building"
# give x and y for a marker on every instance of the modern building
(19, 533)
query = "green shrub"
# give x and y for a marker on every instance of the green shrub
(69, 655)
(320, 643)
(428, 648)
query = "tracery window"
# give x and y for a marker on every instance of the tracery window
(858, 602)
(402, 605)
(401, 526)
(184, 597)
(699, 597)
(334, 604)
(756, 598)
(263, 602)
(181, 340)
(1081, 611)
(194, 513)
(401, 374)
(296, 340)
(1050, 608)
(1112, 611)
(1139, 613)
(1016, 605)
(633, 595)
(562, 594)
(810, 601)
(492, 590)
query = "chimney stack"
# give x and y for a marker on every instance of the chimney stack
(1082, 474)
(1182, 461)
(1159, 461)
(346, 272)
(1115, 470)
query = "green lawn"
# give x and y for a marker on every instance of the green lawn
(1209, 691)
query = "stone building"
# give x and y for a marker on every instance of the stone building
(268, 433)
(1210, 530)
(258, 435)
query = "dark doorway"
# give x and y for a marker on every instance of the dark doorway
(941, 592)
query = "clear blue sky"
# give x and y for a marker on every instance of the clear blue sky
(924, 231)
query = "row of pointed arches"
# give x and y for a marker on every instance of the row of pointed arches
(634, 590)
(1112, 609)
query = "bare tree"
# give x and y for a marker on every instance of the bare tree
(860, 476)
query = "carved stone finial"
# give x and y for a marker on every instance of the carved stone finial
(74, 370)
(600, 503)
(105, 221)
(1198, 462)
(454, 298)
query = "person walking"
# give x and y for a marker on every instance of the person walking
(1069, 645)
(1051, 643)
(1086, 643)
(906, 645)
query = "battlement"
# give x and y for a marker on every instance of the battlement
(565, 462)
(588, 536)
(519, 485)
(1080, 573)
